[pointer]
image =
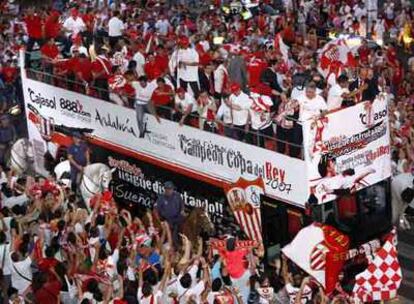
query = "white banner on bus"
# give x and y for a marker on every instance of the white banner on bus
(348, 149)
(202, 152)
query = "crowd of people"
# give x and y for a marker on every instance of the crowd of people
(217, 67)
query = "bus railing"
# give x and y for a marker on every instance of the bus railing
(252, 137)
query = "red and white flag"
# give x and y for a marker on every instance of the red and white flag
(280, 45)
(383, 276)
(244, 199)
(320, 250)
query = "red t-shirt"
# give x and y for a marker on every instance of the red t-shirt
(52, 25)
(49, 293)
(83, 67)
(34, 26)
(364, 54)
(50, 51)
(236, 262)
(152, 70)
(98, 67)
(255, 67)
(46, 263)
(159, 97)
(89, 20)
(162, 61)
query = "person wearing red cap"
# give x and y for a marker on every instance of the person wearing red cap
(239, 103)
(74, 24)
(184, 65)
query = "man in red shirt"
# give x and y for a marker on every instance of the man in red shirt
(152, 68)
(49, 52)
(237, 266)
(83, 72)
(34, 25)
(46, 290)
(52, 25)
(162, 98)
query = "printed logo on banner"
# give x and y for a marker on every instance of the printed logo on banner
(113, 122)
(40, 100)
(376, 116)
(244, 199)
(74, 109)
(340, 156)
(234, 159)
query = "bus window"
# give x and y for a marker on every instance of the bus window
(365, 214)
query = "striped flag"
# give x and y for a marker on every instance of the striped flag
(244, 200)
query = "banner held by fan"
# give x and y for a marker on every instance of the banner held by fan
(244, 199)
(383, 276)
(320, 250)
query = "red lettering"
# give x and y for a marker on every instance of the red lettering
(268, 171)
(282, 175)
(275, 173)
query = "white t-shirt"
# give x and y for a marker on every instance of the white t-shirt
(182, 104)
(143, 95)
(195, 290)
(260, 120)
(293, 291)
(311, 107)
(115, 27)
(24, 268)
(12, 201)
(5, 261)
(224, 113)
(162, 26)
(155, 297)
(244, 102)
(74, 26)
(335, 97)
(186, 73)
(140, 60)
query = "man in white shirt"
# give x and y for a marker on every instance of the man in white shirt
(311, 105)
(186, 285)
(337, 93)
(143, 102)
(184, 105)
(21, 272)
(223, 116)
(115, 29)
(240, 103)
(184, 64)
(139, 58)
(74, 23)
(5, 262)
